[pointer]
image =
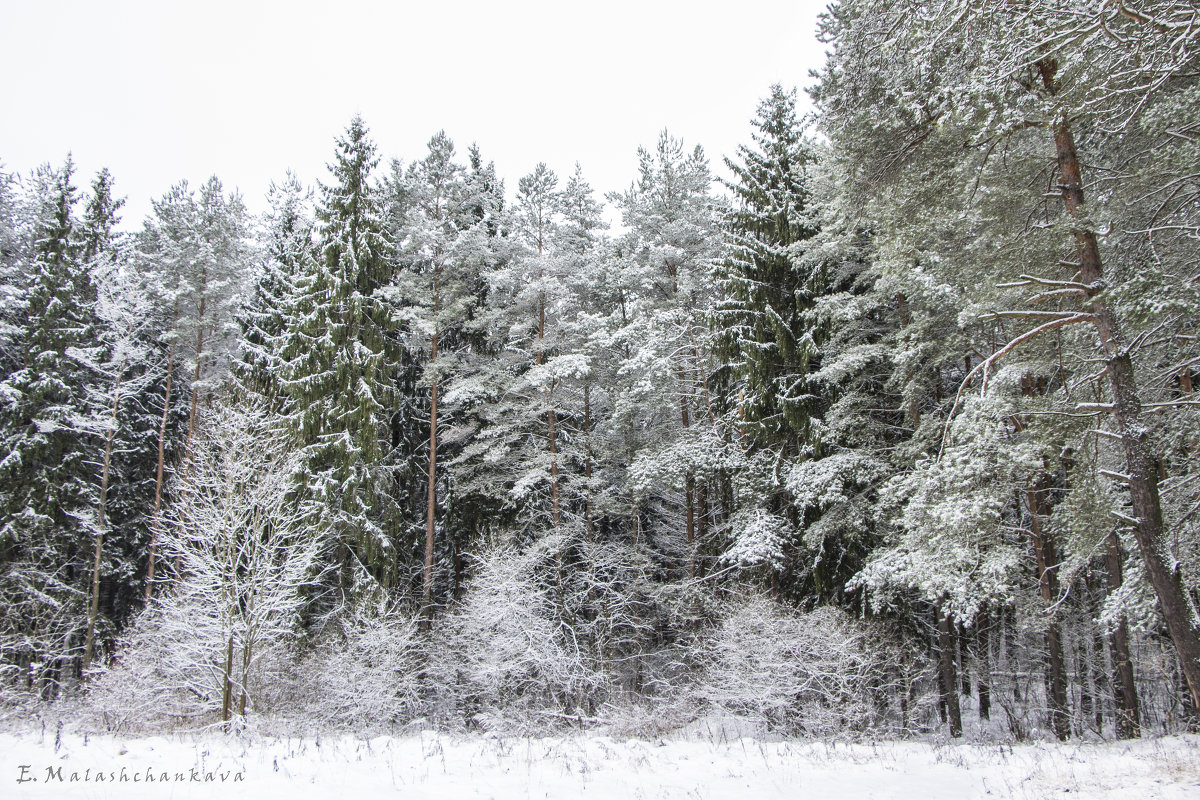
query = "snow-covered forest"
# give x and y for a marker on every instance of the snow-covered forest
(893, 432)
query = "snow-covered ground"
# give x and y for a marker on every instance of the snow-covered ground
(447, 767)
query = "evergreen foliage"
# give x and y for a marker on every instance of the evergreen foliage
(336, 374)
(48, 503)
(764, 329)
(287, 252)
(900, 429)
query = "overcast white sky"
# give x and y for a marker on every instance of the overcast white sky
(159, 91)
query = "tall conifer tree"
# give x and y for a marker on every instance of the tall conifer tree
(49, 482)
(288, 251)
(337, 357)
(763, 332)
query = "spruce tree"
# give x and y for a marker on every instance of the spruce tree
(97, 234)
(107, 385)
(762, 329)
(288, 249)
(12, 274)
(336, 369)
(46, 510)
(120, 427)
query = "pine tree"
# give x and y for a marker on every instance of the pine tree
(166, 252)
(665, 296)
(474, 506)
(216, 284)
(444, 246)
(538, 382)
(581, 247)
(947, 129)
(536, 222)
(193, 254)
(436, 186)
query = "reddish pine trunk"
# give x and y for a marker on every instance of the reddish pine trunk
(1163, 570)
(551, 438)
(431, 492)
(156, 521)
(587, 463)
(196, 375)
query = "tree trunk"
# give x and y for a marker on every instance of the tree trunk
(712, 415)
(964, 670)
(1087, 694)
(555, 509)
(551, 438)
(689, 482)
(984, 659)
(246, 655)
(191, 431)
(690, 500)
(156, 521)
(431, 492)
(1164, 572)
(1099, 679)
(949, 680)
(587, 461)
(1047, 566)
(102, 525)
(1128, 725)
(1089, 665)
(559, 557)
(1191, 714)
(227, 683)
(196, 375)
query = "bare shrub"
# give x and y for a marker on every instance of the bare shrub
(363, 677)
(506, 657)
(816, 673)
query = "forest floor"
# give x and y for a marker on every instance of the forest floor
(42, 764)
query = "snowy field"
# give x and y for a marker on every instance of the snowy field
(445, 767)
